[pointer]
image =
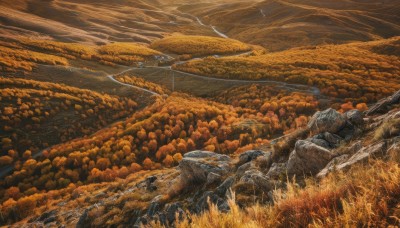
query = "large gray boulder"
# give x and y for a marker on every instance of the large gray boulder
(308, 158)
(197, 166)
(326, 121)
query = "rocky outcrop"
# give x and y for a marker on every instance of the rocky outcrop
(347, 160)
(277, 171)
(333, 141)
(253, 180)
(326, 121)
(308, 158)
(355, 117)
(202, 166)
(384, 104)
(251, 155)
(326, 140)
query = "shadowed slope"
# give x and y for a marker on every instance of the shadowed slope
(279, 25)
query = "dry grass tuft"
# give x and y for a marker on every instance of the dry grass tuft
(285, 145)
(365, 196)
(387, 130)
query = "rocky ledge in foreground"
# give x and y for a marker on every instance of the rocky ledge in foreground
(331, 141)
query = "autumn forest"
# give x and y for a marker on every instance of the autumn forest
(102, 98)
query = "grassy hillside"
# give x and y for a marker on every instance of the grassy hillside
(283, 24)
(199, 45)
(365, 195)
(104, 106)
(157, 137)
(15, 58)
(361, 71)
(25, 54)
(36, 115)
(94, 22)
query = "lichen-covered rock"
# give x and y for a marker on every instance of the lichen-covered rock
(355, 117)
(333, 139)
(210, 197)
(332, 165)
(349, 132)
(326, 140)
(243, 168)
(384, 104)
(197, 165)
(277, 171)
(344, 162)
(316, 139)
(223, 189)
(252, 155)
(308, 158)
(326, 121)
(253, 180)
(170, 213)
(213, 178)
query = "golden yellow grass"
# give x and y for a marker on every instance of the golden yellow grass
(12, 59)
(127, 49)
(367, 196)
(108, 54)
(361, 71)
(199, 45)
(285, 24)
(140, 82)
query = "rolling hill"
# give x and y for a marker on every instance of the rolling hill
(214, 113)
(283, 24)
(95, 22)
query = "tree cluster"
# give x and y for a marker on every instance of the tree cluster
(35, 115)
(356, 71)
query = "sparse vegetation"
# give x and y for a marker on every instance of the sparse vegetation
(387, 130)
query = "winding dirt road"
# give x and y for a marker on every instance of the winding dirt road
(288, 86)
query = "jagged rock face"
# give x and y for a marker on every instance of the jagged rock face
(326, 121)
(277, 171)
(253, 180)
(199, 166)
(326, 140)
(252, 155)
(384, 104)
(355, 117)
(210, 197)
(307, 158)
(346, 161)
